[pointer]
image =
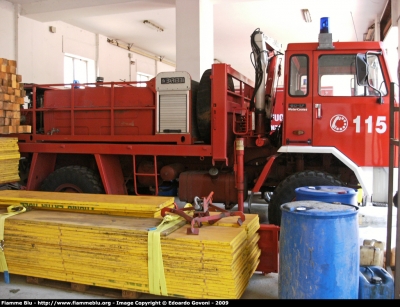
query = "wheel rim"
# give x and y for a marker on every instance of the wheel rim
(68, 188)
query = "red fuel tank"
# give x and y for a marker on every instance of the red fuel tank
(201, 183)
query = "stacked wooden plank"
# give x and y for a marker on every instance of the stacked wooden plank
(12, 95)
(126, 205)
(112, 251)
(9, 160)
(218, 263)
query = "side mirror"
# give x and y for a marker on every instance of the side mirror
(362, 72)
(362, 69)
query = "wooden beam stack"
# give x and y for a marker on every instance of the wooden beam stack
(12, 95)
(9, 160)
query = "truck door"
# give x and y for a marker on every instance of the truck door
(347, 116)
(297, 124)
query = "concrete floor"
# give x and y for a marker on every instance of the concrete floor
(372, 225)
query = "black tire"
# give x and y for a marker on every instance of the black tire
(195, 89)
(285, 191)
(203, 105)
(73, 179)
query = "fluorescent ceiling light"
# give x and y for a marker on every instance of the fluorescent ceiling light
(153, 26)
(306, 15)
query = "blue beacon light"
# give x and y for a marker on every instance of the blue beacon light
(324, 25)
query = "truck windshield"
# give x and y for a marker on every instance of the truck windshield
(337, 76)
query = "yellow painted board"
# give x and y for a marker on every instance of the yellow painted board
(156, 202)
(6, 142)
(231, 221)
(129, 213)
(87, 221)
(10, 179)
(11, 157)
(9, 147)
(9, 167)
(5, 174)
(83, 202)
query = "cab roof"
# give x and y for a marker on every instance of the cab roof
(337, 46)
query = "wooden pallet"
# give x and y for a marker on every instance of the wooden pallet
(64, 285)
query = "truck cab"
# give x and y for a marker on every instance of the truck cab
(326, 107)
(336, 116)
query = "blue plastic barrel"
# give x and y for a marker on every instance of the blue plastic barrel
(375, 283)
(327, 194)
(319, 253)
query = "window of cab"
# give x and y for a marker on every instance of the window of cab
(298, 85)
(337, 76)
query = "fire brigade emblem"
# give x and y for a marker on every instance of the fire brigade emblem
(339, 123)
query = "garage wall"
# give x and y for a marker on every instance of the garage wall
(113, 62)
(40, 53)
(7, 30)
(40, 58)
(116, 64)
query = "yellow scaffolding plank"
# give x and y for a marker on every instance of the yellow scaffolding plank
(141, 206)
(112, 251)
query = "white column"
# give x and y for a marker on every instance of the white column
(194, 36)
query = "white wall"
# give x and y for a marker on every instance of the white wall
(40, 53)
(113, 63)
(391, 44)
(7, 30)
(160, 66)
(40, 57)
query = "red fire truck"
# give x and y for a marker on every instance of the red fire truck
(175, 136)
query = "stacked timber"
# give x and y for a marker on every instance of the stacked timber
(116, 252)
(125, 205)
(9, 160)
(12, 95)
